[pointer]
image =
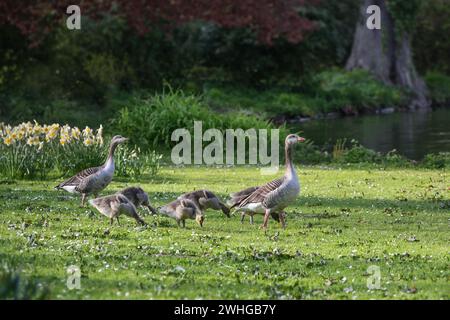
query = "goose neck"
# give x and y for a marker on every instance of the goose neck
(110, 159)
(288, 156)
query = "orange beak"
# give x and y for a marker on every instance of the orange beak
(301, 139)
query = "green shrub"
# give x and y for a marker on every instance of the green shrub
(149, 123)
(308, 153)
(131, 162)
(360, 154)
(356, 89)
(333, 90)
(439, 160)
(439, 87)
(393, 158)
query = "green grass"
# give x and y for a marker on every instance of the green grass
(343, 222)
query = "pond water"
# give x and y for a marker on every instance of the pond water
(413, 134)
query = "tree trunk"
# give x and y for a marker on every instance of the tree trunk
(386, 53)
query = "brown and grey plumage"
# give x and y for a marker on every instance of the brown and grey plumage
(205, 199)
(276, 195)
(238, 197)
(114, 205)
(93, 180)
(138, 197)
(182, 209)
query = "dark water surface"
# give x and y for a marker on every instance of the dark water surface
(413, 134)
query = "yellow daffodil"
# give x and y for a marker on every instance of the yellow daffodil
(88, 142)
(75, 133)
(30, 141)
(87, 131)
(8, 141)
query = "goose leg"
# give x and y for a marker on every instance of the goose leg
(111, 221)
(251, 218)
(242, 217)
(83, 198)
(266, 219)
(282, 220)
(183, 222)
(117, 218)
(178, 223)
(151, 209)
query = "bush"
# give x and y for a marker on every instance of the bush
(356, 90)
(439, 87)
(439, 160)
(270, 103)
(149, 123)
(393, 158)
(308, 153)
(131, 162)
(360, 154)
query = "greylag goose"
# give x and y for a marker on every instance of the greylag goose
(205, 199)
(276, 195)
(138, 197)
(114, 205)
(93, 180)
(238, 197)
(183, 209)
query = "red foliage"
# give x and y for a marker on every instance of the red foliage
(270, 19)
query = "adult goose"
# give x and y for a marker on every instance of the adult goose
(276, 195)
(205, 199)
(183, 209)
(238, 197)
(93, 180)
(138, 197)
(114, 205)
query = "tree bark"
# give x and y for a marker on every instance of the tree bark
(387, 54)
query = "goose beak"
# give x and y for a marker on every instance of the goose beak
(301, 139)
(200, 220)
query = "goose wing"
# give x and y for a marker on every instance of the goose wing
(78, 178)
(261, 194)
(105, 205)
(195, 195)
(237, 197)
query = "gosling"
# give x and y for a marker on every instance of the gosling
(182, 209)
(205, 199)
(138, 197)
(114, 205)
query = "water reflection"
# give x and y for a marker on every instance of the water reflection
(412, 134)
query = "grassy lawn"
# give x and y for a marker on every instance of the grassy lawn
(343, 222)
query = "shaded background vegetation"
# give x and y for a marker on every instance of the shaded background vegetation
(282, 61)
